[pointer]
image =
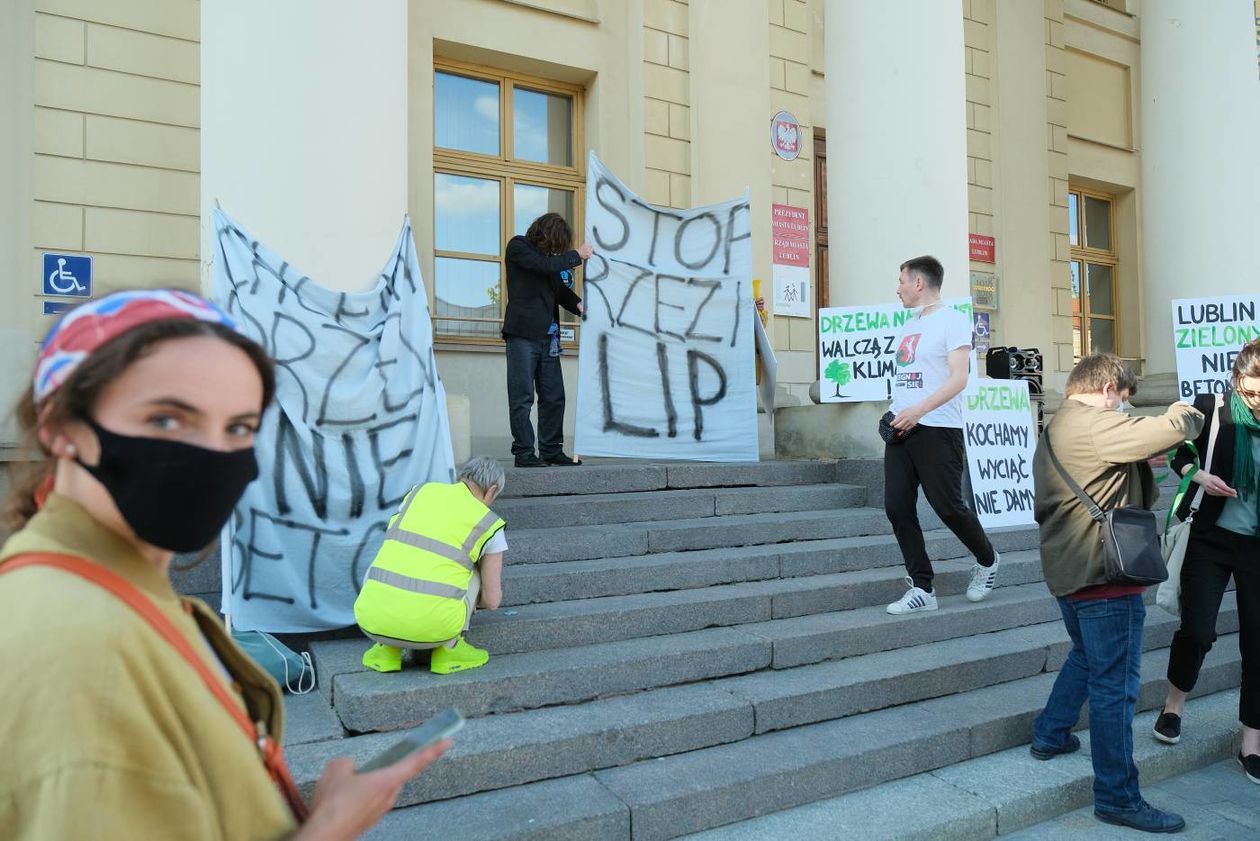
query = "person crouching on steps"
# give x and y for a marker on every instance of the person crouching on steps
(442, 548)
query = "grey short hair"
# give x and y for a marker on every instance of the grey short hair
(483, 472)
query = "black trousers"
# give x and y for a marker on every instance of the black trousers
(531, 369)
(1212, 557)
(935, 458)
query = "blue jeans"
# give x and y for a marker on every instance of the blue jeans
(1105, 667)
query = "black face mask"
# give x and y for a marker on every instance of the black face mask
(174, 496)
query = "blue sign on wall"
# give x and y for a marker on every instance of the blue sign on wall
(57, 307)
(68, 274)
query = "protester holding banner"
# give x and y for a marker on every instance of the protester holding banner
(140, 717)
(540, 280)
(1105, 453)
(443, 548)
(1224, 543)
(925, 436)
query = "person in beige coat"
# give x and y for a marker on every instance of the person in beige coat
(1106, 453)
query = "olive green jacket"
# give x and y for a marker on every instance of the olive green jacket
(1106, 453)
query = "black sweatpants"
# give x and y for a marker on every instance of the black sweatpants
(935, 458)
(531, 368)
(1212, 556)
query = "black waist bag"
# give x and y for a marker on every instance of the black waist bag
(1130, 536)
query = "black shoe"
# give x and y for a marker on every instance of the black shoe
(1072, 745)
(530, 460)
(1168, 728)
(561, 460)
(1250, 765)
(1145, 819)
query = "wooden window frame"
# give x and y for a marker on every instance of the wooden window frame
(1084, 254)
(508, 171)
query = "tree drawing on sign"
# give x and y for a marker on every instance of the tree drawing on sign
(840, 374)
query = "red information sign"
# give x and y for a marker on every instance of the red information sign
(983, 249)
(790, 234)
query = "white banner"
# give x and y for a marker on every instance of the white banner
(857, 349)
(359, 418)
(665, 366)
(1207, 335)
(1000, 437)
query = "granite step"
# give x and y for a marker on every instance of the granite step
(1001, 793)
(604, 509)
(622, 576)
(690, 792)
(566, 739)
(550, 545)
(367, 700)
(671, 796)
(593, 620)
(602, 476)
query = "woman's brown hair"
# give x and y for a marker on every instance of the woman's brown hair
(551, 233)
(1247, 363)
(77, 397)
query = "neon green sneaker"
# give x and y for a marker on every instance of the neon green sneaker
(461, 658)
(383, 658)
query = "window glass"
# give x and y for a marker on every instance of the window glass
(1101, 289)
(1074, 224)
(1078, 342)
(542, 127)
(466, 114)
(1097, 223)
(466, 214)
(466, 289)
(529, 201)
(1102, 335)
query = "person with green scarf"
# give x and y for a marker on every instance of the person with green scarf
(1224, 542)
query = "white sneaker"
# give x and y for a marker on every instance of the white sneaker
(983, 580)
(915, 600)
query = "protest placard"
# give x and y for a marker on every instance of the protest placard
(1000, 438)
(857, 349)
(1207, 335)
(359, 417)
(665, 367)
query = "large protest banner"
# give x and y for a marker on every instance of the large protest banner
(1000, 437)
(857, 349)
(665, 367)
(359, 418)
(1207, 335)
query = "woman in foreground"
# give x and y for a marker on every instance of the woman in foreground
(129, 712)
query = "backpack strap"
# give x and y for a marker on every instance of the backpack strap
(270, 750)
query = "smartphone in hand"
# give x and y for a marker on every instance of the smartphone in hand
(442, 726)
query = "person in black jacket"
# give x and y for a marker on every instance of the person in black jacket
(539, 281)
(1224, 541)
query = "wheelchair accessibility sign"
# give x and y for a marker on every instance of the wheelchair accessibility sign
(68, 274)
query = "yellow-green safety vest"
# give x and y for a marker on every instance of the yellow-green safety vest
(414, 591)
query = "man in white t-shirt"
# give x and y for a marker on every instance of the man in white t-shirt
(933, 361)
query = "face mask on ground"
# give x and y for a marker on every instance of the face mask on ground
(174, 496)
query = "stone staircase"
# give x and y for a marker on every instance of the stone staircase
(686, 648)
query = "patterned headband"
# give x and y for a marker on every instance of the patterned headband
(86, 328)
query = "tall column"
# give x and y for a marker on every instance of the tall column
(1023, 190)
(1200, 121)
(896, 144)
(729, 56)
(304, 130)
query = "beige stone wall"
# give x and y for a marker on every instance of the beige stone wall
(792, 182)
(115, 170)
(1060, 359)
(666, 103)
(978, 44)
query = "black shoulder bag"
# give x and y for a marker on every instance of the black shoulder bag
(1129, 535)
